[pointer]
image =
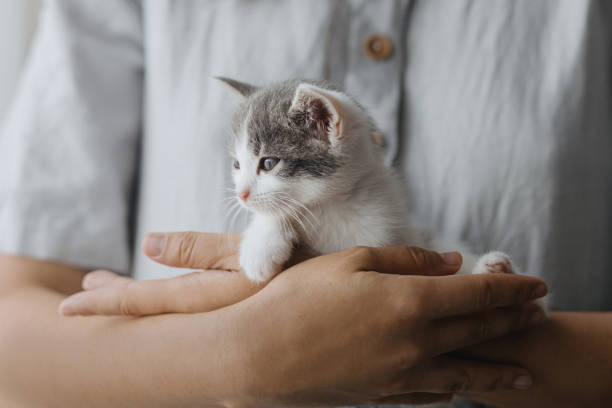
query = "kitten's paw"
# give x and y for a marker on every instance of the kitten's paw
(494, 262)
(498, 262)
(261, 261)
(259, 269)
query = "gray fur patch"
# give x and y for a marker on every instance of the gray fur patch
(291, 137)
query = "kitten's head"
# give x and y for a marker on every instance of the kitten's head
(297, 143)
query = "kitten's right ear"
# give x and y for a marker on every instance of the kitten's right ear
(243, 90)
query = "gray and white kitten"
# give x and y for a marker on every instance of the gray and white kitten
(307, 167)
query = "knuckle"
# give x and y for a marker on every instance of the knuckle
(422, 258)
(126, 304)
(125, 308)
(416, 354)
(485, 298)
(186, 246)
(415, 306)
(364, 252)
(360, 254)
(400, 380)
(407, 359)
(483, 328)
(462, 381)
(408, 308)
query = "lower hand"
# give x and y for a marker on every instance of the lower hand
(223, 284)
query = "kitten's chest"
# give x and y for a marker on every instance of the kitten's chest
(338, 227)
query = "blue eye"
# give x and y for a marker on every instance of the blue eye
(236, 164)
(268, 163)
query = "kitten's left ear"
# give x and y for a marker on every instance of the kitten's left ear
(243, 90)
(320, 110)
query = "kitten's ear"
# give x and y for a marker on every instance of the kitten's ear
(243, 90)
(318, 109)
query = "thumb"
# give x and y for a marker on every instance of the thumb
(408, 260)
(194, 250)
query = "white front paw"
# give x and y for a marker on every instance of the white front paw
(494, 262)
(498, 262)
(260, 260)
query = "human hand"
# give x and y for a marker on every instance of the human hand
(385, 332)
(222, 284)
(568, 356)
(416, 319)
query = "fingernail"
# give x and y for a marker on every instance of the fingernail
(451, 258)
(154, 244)
(539, 291)
(65, 309)
(522, 382)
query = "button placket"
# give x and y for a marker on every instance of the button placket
(373, 71)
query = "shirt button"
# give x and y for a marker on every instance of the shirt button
(378, 47)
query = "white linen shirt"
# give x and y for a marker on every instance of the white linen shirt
(497, 115)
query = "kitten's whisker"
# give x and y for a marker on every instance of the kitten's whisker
(233, 215)
(278, 206)
(233, 209)
(290, 211)
(307, 215)
(236, 213)
(284, 222)
(295, 215)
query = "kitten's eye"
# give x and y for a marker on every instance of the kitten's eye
(268, 163)
(236, 164)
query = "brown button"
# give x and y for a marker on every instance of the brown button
(378, 47)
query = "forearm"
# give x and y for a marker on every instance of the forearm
(53, 361)
(570, 358)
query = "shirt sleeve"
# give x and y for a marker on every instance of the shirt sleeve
(68, 145)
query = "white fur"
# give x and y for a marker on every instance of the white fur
(363, 203)
(265, 247)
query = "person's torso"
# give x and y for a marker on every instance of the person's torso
(496, 114)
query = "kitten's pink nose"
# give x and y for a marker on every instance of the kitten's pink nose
(244, 195)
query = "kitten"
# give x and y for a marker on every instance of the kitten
(307, 167)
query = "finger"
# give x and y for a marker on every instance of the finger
(454, 333)
(467, 294)
(99, 278)
(191, 293)
(195, 250)
(405, 260)
(416, 398)
(451, 375)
